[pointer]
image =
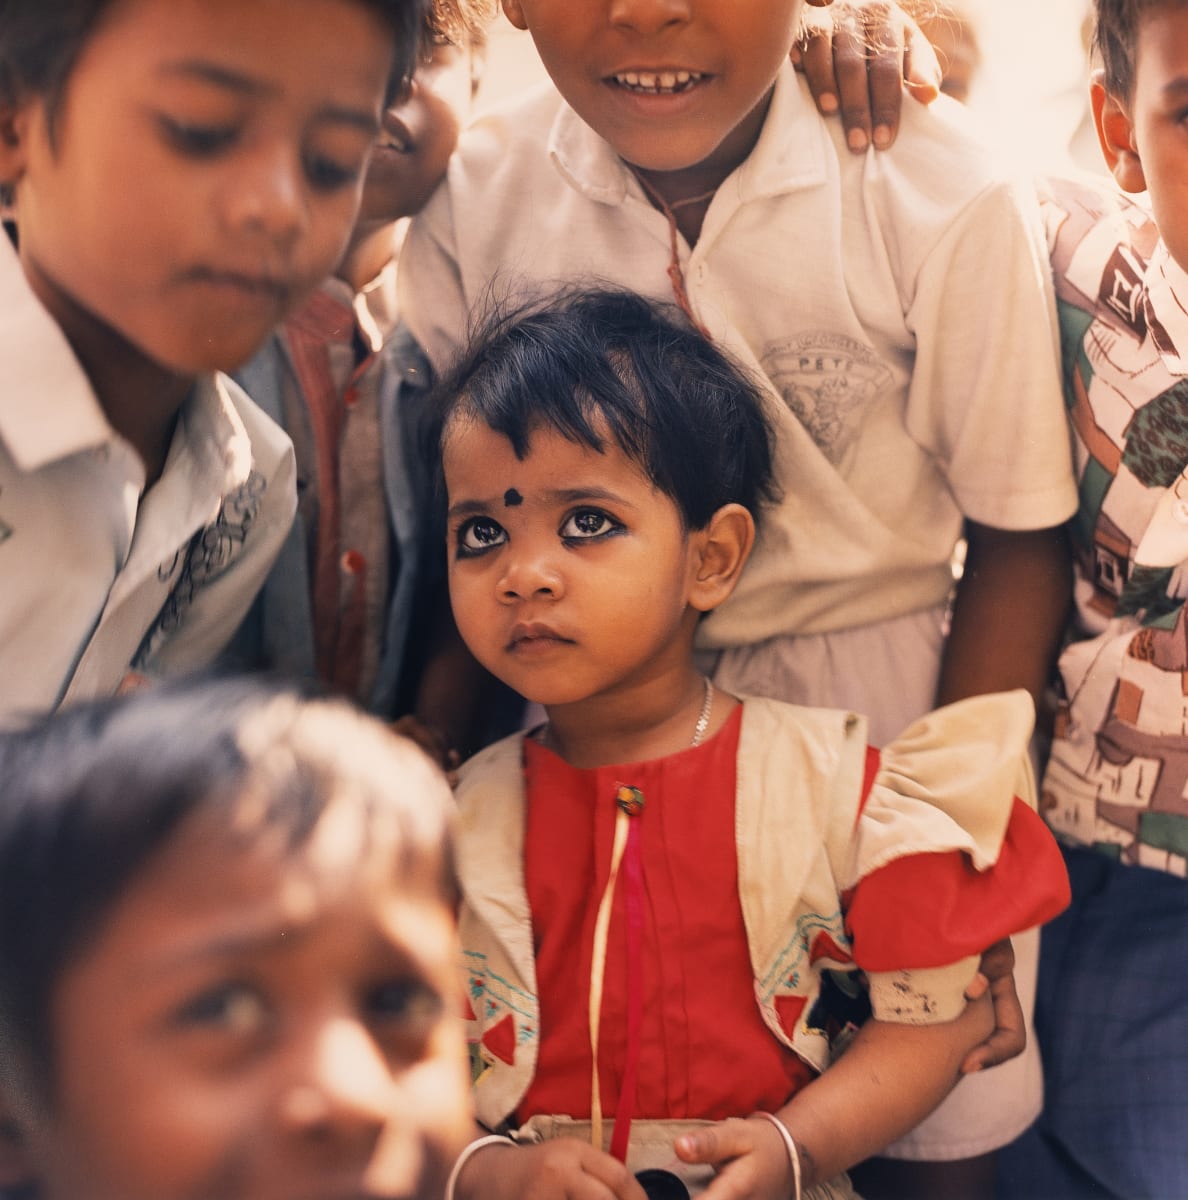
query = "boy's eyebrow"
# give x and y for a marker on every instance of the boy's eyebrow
(260, 939)
(245, 85)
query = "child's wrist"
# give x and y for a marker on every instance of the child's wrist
(492, 1139)
(790, 1147)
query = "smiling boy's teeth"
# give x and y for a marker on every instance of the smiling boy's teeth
(657, 81)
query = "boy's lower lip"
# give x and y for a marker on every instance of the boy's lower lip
(257, 286)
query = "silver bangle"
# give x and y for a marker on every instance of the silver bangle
(470, 1151)
(789, 1145)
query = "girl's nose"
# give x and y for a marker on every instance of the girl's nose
(649, 16)
(528, 574)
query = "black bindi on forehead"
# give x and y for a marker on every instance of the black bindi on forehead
(511, 498)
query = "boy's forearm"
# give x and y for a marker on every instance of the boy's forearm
(1009, 613)
(885, 1084)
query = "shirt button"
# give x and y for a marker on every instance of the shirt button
(353, 563)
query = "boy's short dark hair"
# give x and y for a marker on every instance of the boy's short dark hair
(587, 362)
(461, 22)
(40, 41)
(90, 795)
(1116, 25)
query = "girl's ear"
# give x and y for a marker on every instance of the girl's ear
(722, 549)
(514, 13)
(1115, 132)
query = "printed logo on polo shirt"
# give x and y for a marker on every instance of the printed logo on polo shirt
(210, 553)
(827, 380)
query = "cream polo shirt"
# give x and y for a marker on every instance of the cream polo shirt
(899, 307)
(96, 578)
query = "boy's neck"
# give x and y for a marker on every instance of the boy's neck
(139, 397)
(686, 195)
(370, 250)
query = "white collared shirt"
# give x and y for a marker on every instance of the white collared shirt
(95, 577)
(898, 305)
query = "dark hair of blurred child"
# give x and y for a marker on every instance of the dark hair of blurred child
(227, 953)
(666, 891)
(180, 173)
(357, 595)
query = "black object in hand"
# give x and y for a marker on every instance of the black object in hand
(662, 1185)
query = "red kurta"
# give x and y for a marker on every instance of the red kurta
(706, 1052)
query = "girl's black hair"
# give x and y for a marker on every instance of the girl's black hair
(593, 363)
(90, 795)
(40, 41)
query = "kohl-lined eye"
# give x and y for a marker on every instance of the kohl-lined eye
(478, 535)
(588, 523)
(235, 1008)
(197, 140)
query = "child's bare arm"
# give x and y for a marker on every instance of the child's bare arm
(562, 1168)
(1010, 610)
(890, 1078)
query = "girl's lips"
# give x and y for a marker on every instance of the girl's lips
(535, 637)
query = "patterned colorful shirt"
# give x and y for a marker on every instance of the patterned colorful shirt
(1118, 771)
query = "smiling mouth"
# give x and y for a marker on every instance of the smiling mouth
(658, 83)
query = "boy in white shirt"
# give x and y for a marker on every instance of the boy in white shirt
(897, 306)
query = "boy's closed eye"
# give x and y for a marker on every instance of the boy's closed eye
(197, 139)
(326, 170)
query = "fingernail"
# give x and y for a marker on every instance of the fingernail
(827, 102)
(882, 137)
(856, 139)
(687, 1144)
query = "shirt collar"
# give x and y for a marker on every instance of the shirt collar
(790, 154)
(211, 435)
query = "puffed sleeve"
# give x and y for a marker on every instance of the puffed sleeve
(949, 856)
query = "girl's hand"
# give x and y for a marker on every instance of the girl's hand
(750, 1155)
(858, 57)
(565, 1169)
(997, 975)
